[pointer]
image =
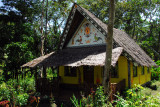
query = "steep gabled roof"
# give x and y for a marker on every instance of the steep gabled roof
(132, 50)
(91, 55)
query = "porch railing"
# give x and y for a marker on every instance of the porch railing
(116, 87)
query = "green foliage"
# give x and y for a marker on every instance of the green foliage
(135, 98)
(1, 76)
(20, 30)
(155, 72)
(95, 99)
(75, 102)
(22, 99)
(4, 92)
(19, 41)
(17, 91)
(100, 98)
(51, 73)
(99, 8)
(28, 84)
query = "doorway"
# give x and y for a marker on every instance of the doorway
(88, 72)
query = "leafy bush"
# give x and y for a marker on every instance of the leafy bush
(28, 84)
(22, 99)
(1, 77)
(135, 98)
(99, 97)
(156, 71)
(4, 92)
(16, 91)
(51, 73)
(95, 99)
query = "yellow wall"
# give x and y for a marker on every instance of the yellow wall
(140, 79)
(134, 80)
(122, 67)
(76, 80)
(122, 71)
(98, 74)
(122, 74)
(69, 79)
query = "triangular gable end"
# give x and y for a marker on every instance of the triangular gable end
(86, 34)
(67, 41)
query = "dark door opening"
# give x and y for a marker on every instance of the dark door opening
(88, 72)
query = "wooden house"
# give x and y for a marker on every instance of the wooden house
(81, 54)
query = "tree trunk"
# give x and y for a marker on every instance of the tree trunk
(45, 42)
(42, 36)
(158, 47)
(106, 76)
(45, 36)
(159, 43)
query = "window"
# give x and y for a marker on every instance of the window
(114, 71)
(148, 70)
(70, 71)
(142, 71)
(134, 71)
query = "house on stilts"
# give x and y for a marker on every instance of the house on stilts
(81, 55)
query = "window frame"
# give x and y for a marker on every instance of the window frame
(135, 69)
(114, 71)
(70, 71)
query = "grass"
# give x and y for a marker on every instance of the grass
(149, 91)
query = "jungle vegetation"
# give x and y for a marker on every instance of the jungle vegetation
(25, 23)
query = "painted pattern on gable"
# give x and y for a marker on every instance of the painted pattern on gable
(86, 34)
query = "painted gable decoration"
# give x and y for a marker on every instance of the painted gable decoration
(86, 34)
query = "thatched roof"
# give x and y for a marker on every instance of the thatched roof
(91, 56)
(36, 61)
(76, 57)
(132, 50)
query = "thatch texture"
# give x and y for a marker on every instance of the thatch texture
(36, 61)
(92, 56)
(123, 40)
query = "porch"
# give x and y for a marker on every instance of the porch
(63, 92)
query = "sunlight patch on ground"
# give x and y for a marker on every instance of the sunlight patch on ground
(149, 91)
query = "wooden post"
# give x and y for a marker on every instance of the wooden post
(44, 72)
(35, 76)
(129, 75)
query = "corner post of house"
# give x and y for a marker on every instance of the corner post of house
(36, 78)
(44, 75)
(32, 70)
(129, 74)
(58, 71)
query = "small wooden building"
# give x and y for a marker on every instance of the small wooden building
(81, 54)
